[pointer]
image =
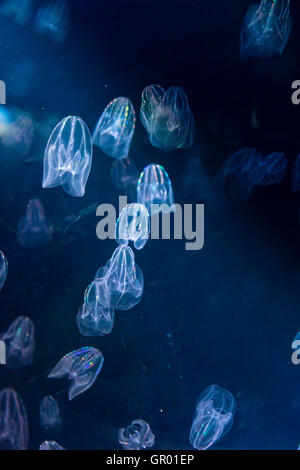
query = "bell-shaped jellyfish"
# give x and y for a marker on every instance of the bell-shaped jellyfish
(50, 413)
(136, 436)
(14, 432)
(154, 189)
(20, 343)
(34, 229)
(133, 225)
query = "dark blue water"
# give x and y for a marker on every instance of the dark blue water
(226, 314)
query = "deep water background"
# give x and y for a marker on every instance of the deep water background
(226, 314)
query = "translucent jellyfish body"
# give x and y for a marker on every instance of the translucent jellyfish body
(50, 445)
(155, 189)
(82, 368)
(3, 269)
(20, 343)
(68, 156)
(266, 29)
(94, 320)
(14, 432)
(50, 414)
(167, 117)
(136, 436)
(53, 20)
(133, 225)
(34, 229)
(114, 130)
(214, 417)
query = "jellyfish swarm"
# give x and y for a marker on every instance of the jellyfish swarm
(53, 20)
(82, 368)
(214, 417)
(34, 229)
(19, 341)
(114, 130)
(68, 156)
(125, 175)
(167, 117)
(14, 432)
(3, 269)
(50, 445)
(50, 414)
(136, 436)
(266, 29)
(154, 189)
(133, 225)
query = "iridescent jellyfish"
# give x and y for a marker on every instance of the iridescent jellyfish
(136, 436)
(53, 20)
(155, 190)
(50, 445)
(3, 269)
(34, 229)
(50, 414)
(14, 432)
(114, 130)
(266, 28)
(151, 97)
(68, 156)
(133, 225)
(20, 343)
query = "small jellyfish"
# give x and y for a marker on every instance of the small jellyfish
(168, 118)
(114, 130)
(3, 269)
(34, 229)
(124, 279)
(19, 10)
(155, 190)
(266, 29)
(68, 156)
(214, 417)
(14, 432)
(53, 20)
(94, 320)
(136, 436)
(50, 445)
(133, 225)
(268, 170)
(82, 368)
(125, 175)
(19, 341)
(50, 413)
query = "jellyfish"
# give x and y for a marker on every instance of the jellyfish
(34, 229)
(133, 225)
(20, 343)
(94, 320)
(50, 413)
(154, 189)
(266, 29)
(50, 445)
(82, 368)
(53, 20)
(3, 269)
(114, 130)
(19, 10)
(14, 432)
(125, 175)
(167, 117)
(214, 417)
(136, 436)
(68, 156)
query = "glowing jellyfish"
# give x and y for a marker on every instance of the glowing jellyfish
(266, 28)
(14, 432)
(133, 225)
(3, 269)
(34, 229)
(20, 343)
(114, 130)
(68, 156)
(155, 190)
(136, 436)
(50, 413)
(82, 368)
(53, 20)
(214, 417)
(94, 320)
(167, 117)
(50, 445)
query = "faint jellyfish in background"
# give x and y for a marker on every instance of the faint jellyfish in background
(34, 229)
(82, 368)
(266, 29)
(14, 432)
(19, 341)
(68, 156)
(16, 134)
(168, 118)
(268, 170)
(50, 414)
(114, 130)
(19, 10)
(155, 187)
(53, 20)
(50, 445)
(124, 279)
(214, 417)
(133, 225)
(296, 175)
(136, 436)
(3, 269)
(125, 176)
